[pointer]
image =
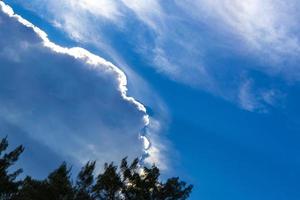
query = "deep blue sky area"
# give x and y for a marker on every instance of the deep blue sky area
(225, 91)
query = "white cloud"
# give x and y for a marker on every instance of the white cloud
(106, 8)
(156, 149)
(269, 27)
(148, 11)
(85, 24)
(185, 36)
(246, 97)
(80, 19)
(66, 99)
(255, 99)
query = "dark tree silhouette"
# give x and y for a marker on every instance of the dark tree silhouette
(108, 184)
(127, 182)
(33, 190)
(8, 184)
(57, 186)
(85, 182)
(60, 185)
(143, 184)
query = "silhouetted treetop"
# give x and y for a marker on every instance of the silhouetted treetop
(126, 182)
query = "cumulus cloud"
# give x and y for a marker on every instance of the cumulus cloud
(69, 101)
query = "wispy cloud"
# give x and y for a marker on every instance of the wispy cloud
(180, 39)
(148, 11)
(258, 99)
(269, 27)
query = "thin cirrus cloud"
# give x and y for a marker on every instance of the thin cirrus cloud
(148, 11)
(269, 27)
(68, 101)
(186, 35)
(252, 99)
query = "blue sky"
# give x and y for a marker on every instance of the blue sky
(213, 89)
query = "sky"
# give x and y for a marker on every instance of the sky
(208, 90)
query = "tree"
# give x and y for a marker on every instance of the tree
(60, 184)
(33, 190)
(143, 184)
(57, 186)
(139, 183)
(85, 182)
(174, 189)
(109, 184)
(8, 184)
(127, 182)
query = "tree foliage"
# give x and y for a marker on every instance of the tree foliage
(8, 183)
(126, 182)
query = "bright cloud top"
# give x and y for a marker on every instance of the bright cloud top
(68, 100)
